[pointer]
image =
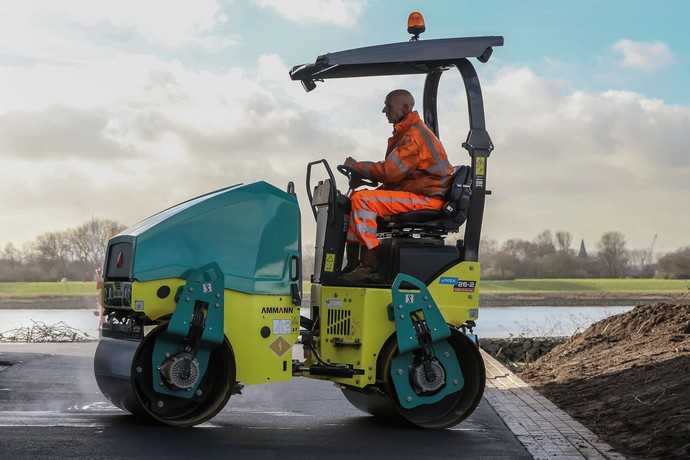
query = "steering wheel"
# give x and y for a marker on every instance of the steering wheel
(355, 178)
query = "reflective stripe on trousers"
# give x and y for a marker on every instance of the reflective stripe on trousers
(367, 205)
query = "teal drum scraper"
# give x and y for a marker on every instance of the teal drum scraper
(181, 353)
(426, 369)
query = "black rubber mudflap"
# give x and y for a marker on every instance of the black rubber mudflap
(112, 366)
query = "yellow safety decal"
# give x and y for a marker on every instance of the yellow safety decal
(330, 262)
(280, 346)
(480, 166)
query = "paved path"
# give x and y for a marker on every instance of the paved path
(546, 431)
(50, 407)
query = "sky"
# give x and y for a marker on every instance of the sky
(119, 109)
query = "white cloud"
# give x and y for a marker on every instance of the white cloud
(646, 56)
(77, 30)
(584, 161)
(108, 132)
(342, 13)
(154, 134)
(165, 22)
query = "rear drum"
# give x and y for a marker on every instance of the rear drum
(134, 392)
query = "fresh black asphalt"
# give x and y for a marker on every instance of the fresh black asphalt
(50, 407)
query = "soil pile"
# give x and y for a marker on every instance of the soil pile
(627, 378)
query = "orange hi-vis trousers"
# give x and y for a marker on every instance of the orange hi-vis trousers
(367, 205)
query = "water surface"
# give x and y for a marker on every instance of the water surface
(493, 321)
(540, 321)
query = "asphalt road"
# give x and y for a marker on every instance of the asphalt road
(50, 407)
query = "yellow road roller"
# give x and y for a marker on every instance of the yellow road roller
(206, 297)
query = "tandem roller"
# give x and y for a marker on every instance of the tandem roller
(204, 297)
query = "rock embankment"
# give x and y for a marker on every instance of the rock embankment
(516, 352)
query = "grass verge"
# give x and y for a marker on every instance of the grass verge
(585, 285)
(31, 289)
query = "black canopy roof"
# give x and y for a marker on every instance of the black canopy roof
(411, 57)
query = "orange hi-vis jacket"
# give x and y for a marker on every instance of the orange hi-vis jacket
(415, 161)
(415, 175)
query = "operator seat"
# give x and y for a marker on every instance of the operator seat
(435, 223)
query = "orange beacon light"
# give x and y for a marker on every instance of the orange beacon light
(415, 24)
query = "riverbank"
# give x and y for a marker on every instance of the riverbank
(577, 292)
(49, 302)
(578, 298)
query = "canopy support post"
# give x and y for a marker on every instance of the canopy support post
(430, 100)
(479, 146)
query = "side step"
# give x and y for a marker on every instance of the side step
(326, 371)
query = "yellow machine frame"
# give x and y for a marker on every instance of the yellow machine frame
(258, 359)
(354, 323)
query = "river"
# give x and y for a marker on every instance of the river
(493, 321)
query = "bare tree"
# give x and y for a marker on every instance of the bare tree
(89, 240)
(52, 252)
(544, 243)
(10, 253)
(487, 248)
(71, 254)
(638, 257)
(564, 240)
(613, 254)
(676, 264)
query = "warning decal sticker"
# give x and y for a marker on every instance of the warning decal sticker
(330, 262)
(280, 346)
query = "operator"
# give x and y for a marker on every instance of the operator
(415, 175)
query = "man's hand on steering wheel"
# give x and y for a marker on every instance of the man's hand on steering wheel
(355, 178)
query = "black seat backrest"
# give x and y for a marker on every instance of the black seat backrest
(459, 195)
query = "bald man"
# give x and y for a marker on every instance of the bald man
(415, 175)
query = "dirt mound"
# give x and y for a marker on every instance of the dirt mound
(627, 378)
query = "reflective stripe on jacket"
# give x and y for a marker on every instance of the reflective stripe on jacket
(415, 161)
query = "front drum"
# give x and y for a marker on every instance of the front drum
(455, 407)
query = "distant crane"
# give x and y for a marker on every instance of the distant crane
(649, 257)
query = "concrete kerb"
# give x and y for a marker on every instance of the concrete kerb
(546, 431)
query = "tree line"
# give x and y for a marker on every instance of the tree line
(75, 254)
(552, 255)
(72, 254)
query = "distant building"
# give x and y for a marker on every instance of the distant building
(583, 250)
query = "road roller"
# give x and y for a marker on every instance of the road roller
(207, 297)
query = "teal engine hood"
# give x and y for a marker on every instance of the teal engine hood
(251, 231)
